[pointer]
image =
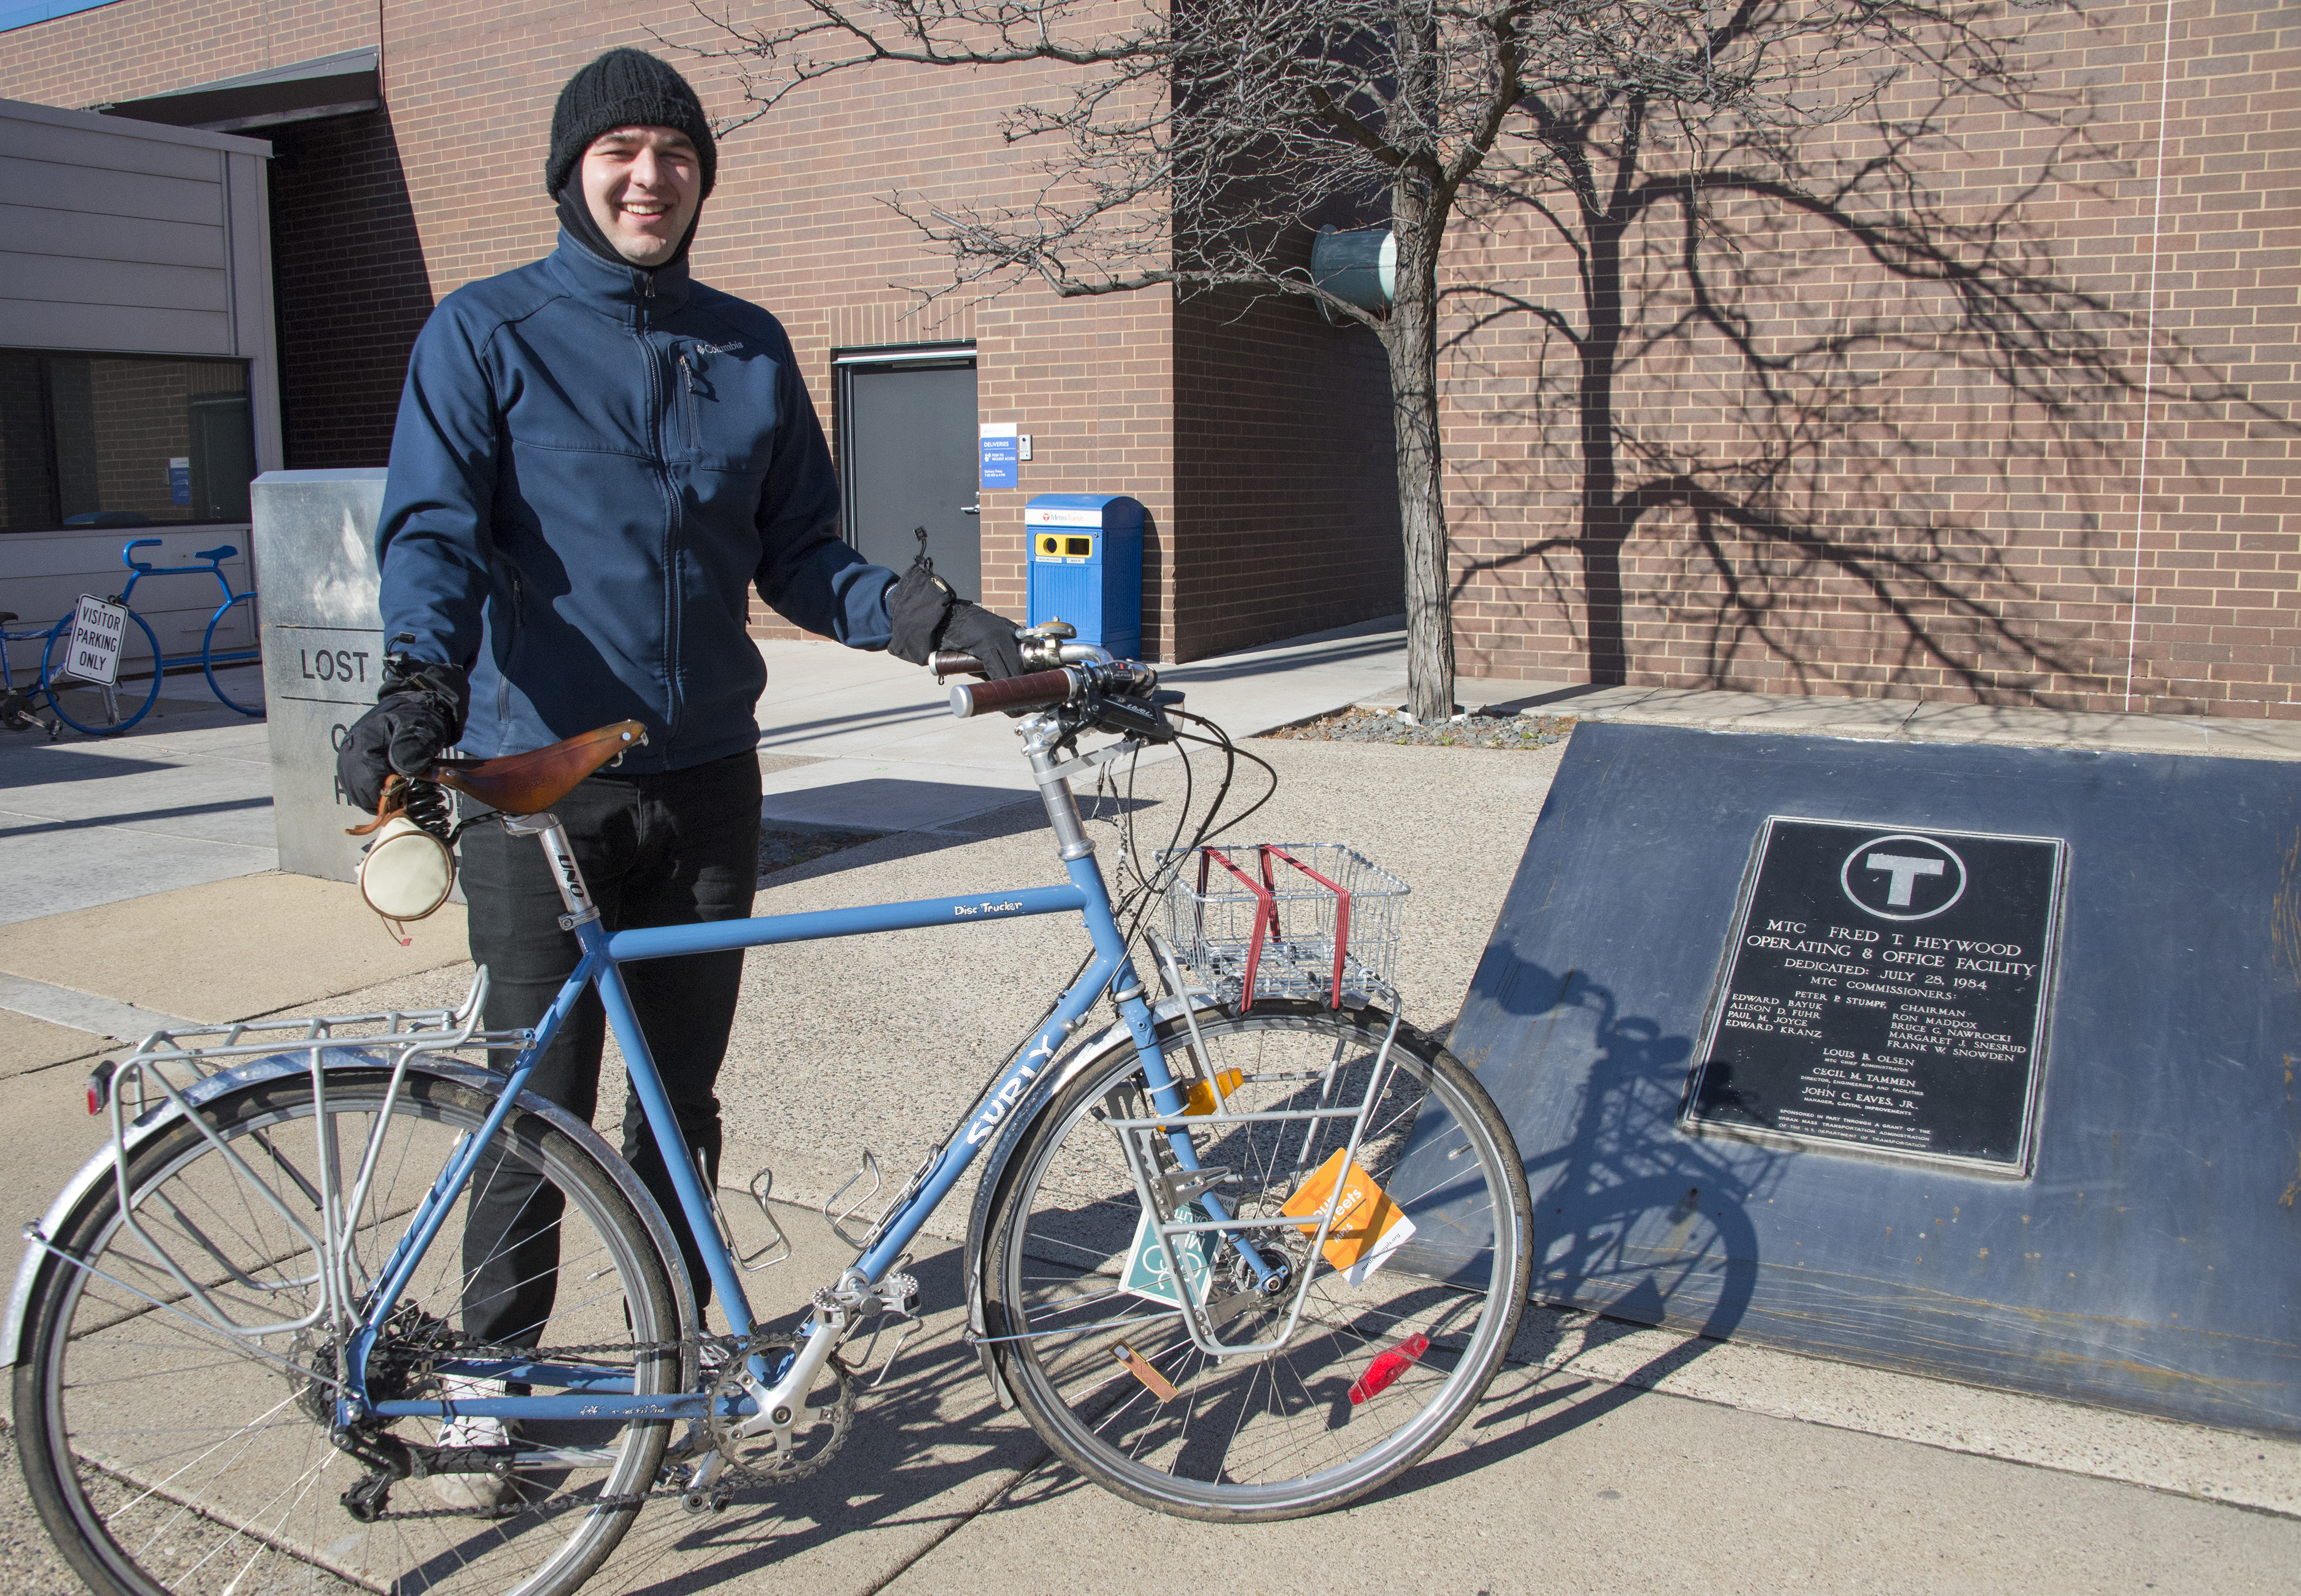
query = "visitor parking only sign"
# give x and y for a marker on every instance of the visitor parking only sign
(98, 631)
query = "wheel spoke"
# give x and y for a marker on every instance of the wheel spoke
(187, 1459)
(1270, 1432)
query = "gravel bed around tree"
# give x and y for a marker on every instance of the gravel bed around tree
(1463, 731)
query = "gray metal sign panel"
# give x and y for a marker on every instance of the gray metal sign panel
(2140, 1244)
(323, 646)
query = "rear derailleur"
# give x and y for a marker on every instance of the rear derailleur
(390, 1460)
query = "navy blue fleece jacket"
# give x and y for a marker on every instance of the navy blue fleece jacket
(592, 466)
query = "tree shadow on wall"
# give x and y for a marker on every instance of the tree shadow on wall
(1847, 371)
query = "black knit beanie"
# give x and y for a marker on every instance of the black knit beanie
(625, 89)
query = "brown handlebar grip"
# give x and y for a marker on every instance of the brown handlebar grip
(950, 662)
(1041, 689)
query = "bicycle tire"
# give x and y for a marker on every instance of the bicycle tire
(87, 707)
(209, 659)
(238, 1486)
(1277, 1435)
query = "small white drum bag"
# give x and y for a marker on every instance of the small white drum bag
(407, 872)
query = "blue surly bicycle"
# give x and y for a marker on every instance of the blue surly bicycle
(1245, 1253)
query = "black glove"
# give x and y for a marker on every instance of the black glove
(927, 615)
(418, 715)
(917, 607)
(973, 630)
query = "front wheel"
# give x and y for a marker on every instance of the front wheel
(1081, 1303)
(167, 1457)
(98, 709)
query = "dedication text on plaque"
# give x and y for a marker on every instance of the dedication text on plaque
(1885, 991)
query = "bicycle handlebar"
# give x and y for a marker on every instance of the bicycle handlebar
(213, 556)
(1113, 682)
(1041, 689)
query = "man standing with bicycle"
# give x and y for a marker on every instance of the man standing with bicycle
(597, 460)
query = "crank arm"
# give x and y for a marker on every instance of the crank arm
(780, 1403)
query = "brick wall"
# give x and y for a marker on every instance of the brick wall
(1893, 518)
(142, 421)
(798, 224)
(1285, 474)
(351, 286)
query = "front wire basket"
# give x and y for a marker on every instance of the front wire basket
(1307, 920)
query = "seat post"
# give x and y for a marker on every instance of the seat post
(573, 893)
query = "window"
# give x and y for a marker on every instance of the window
(113, 440)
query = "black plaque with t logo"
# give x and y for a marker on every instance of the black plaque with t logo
(1885, 992)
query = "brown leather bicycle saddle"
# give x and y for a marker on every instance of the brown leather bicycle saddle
(527, 783)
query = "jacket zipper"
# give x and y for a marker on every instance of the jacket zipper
(673, 697)
(511, 654)
(687, 383)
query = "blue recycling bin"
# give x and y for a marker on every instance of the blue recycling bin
(1085, 567)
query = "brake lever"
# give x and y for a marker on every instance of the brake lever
(1145, 721)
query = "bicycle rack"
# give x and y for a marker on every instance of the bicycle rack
(391, 1039)
(1167, 1194)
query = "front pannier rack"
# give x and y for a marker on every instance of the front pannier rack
(1305, 920)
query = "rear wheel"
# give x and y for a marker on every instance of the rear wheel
(241, 684)
(1376, 1372)
(95, 708)
(166, 1457)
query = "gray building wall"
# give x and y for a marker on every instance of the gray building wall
(130, 238)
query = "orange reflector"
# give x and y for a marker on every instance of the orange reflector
(1202, 1098)
(1138, 1365)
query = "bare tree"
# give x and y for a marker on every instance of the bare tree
(1195, 141)
(1196, 138)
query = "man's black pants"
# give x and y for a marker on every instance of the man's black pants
(675, 848)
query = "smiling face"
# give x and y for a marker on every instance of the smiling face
(642, 185)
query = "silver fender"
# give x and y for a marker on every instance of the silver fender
(1091, 1052)
(97, 1170)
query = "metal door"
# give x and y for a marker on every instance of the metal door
(908, 459)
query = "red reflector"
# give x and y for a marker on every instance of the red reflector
(95, 1101)
(1387, 1368)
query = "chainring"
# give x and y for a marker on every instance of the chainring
(826, 1410)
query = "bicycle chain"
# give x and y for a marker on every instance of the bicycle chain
(618, 1499)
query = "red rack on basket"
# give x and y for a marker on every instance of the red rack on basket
(1266, 917)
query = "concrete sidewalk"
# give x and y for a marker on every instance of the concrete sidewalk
(851, 738)
(1606, 1456)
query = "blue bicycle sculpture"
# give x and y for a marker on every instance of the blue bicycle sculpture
(105, 709)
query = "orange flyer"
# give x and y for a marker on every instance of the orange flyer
(1367, 1225)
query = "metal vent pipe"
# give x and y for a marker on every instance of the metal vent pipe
(1359, 266)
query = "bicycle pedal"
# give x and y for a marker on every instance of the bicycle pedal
(900, 1294)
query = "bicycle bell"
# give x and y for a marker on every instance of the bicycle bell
(1042, 645)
